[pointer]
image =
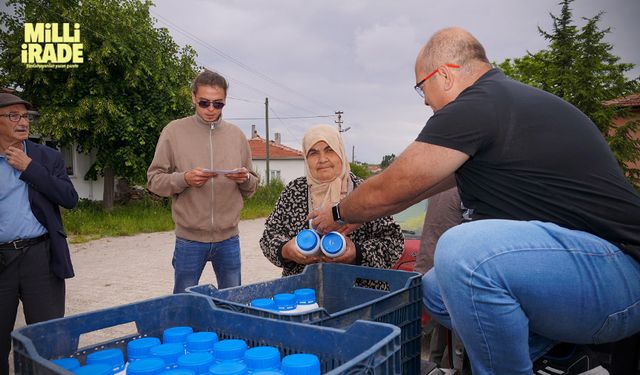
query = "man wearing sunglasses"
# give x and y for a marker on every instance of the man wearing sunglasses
(34, 255)
(550, 248)
(204, 164)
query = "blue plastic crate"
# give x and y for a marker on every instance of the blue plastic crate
(342, 301)
(364, 347)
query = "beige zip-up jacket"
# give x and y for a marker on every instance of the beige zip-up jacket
(209, 213)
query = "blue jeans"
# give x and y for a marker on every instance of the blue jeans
(190, 257)
(512, 289)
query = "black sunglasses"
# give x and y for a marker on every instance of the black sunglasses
(206, 103)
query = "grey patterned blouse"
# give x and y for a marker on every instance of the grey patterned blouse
(379, 243)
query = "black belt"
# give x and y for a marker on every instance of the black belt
(21, 244)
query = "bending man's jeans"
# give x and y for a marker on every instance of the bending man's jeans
(512, 289)
(190, 257)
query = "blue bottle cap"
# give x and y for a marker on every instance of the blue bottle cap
(228, 368)
(146, 366)
(301, 364)
(176, 334)
(267, 372)
(332, 243)
(264, 303)
(197, 362)
(307, 240)
(262, 358)
(229, 350)
(99, 369)
(285, 301)
(305, 296)
(201, 341)
(140, 348)
(178, 371)
(111, 357)
(169, 353)
(67, 363)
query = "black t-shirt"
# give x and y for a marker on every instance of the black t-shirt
(534, 156)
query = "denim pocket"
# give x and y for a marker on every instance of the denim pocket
(619, 325)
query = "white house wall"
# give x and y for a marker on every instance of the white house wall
(86, 189)
(290, 169)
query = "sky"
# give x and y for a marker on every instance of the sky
(312, 58)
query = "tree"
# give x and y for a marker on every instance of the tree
(579, 67)
(134, 79)
(360, 170)
(387, 160)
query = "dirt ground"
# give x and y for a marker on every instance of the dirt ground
(119, 270)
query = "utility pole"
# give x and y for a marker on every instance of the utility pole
(339, 122)
(266, 119)
(353, 153)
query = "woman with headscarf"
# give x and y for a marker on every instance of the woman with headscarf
(328, 179)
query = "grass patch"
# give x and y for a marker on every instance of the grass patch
(88, 221)
(263, 201)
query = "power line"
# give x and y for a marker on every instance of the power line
(266, 94)
(287, 128)
(85, 29)
(281, 118)
(243, 100)
(236, 61)
(340, 122)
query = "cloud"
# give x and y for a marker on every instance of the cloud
(385, 48)
(314, 57)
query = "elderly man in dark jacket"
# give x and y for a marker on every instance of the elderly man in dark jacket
(34, 255)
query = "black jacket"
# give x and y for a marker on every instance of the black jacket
(50, 187)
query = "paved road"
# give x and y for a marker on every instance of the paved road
(120, 270)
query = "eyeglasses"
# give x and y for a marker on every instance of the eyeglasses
(206, 103)
(15, 117)
(418, 86)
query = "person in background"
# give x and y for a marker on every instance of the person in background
(34, 254)
(552, 247)
(204, 164)
(378, 243)
(443, 213)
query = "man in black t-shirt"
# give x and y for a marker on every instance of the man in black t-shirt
(547, 252)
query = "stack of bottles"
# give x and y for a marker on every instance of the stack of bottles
(300, 301)
(184, 352)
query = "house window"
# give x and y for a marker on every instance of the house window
(69, 160)
(67, 152)
(275, 174)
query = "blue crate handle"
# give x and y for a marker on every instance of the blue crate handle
(396, 279)
(342, 275)
(349, 274)
(67, 331)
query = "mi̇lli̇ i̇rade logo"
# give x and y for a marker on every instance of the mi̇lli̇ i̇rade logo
(52, 45)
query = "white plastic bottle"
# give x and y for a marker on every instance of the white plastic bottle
(333, 244)
(302, 363)
(308, 242)
(286, 303)
(306, 298)
(112, 357)
(262, 358)
(264, 303)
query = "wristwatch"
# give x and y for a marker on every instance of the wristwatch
(335, 211)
